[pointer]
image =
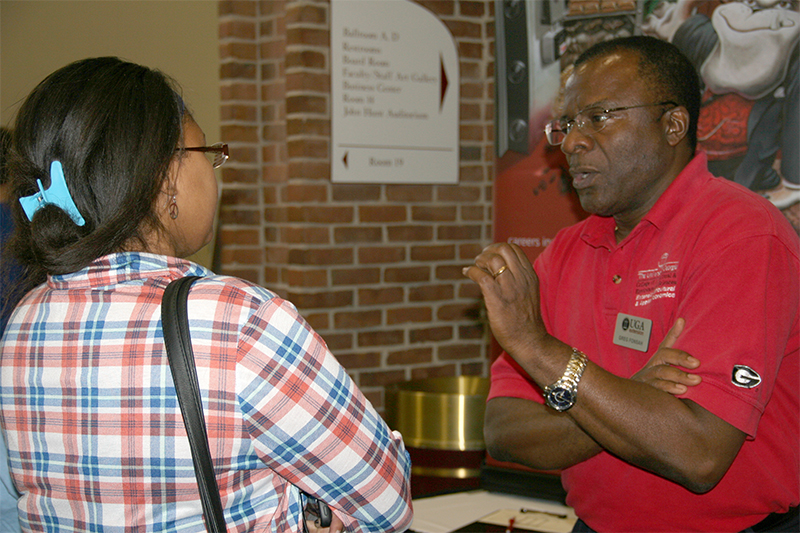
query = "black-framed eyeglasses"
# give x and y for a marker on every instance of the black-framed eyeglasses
(588, 121)
(216, 153)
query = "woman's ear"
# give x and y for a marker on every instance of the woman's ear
(169, 186)
(676, 124)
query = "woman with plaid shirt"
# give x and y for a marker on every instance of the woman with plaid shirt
(95, 435)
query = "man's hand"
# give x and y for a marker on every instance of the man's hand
(510, 290)
(662, 370)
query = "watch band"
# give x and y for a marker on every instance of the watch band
(562, 394)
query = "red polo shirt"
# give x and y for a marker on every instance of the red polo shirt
(728, 262)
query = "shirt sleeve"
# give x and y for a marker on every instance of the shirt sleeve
(314, 427)
(741, 320)
(8, 494)
(509, 380)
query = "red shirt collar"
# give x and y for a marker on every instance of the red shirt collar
(599, 231)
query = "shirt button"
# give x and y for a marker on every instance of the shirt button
(617, 279)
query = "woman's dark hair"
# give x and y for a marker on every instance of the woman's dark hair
(667, 71)
(114, 127)
(5, 151)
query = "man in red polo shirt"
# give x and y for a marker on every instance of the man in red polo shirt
(653, 352)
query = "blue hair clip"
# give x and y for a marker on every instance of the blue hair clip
(57, 194)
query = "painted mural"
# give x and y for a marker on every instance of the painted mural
(746, 53)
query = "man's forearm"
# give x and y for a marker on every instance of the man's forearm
(676, 439)
(639, 423)
(528, 433)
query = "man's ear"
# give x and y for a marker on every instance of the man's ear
(676, 124)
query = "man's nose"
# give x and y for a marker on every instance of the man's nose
(576, 139)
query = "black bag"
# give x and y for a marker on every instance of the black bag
(177, 341)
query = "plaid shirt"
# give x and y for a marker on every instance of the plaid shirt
(95, 434)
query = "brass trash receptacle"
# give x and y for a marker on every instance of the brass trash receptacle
(441, 420)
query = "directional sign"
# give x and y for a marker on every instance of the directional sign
(394, 95)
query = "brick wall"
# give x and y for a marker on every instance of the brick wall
(376, 269)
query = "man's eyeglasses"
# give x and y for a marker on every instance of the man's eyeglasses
(588, 121)
(216, 153)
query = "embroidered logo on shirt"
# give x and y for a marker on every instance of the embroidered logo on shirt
(745, 377)
(656, 283)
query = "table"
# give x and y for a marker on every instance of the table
(450, 512)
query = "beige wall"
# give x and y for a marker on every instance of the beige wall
(178, 37)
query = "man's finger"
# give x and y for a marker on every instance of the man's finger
(673, 334)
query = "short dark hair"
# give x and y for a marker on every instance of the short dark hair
(670, 73)
(114, 126)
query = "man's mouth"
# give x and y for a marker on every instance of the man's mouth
(582, 177)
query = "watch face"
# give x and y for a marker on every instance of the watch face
(561, 398)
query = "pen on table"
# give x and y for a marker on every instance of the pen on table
(557, 515)
(510, 525)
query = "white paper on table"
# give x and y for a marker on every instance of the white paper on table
(532, 520)
(443, 514)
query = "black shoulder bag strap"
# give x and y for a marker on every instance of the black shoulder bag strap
(177, 341)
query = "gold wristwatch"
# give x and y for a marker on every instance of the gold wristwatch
(562, 394)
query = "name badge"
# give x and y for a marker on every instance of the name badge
(633, 332)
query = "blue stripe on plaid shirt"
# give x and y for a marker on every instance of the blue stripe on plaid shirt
(96, 438)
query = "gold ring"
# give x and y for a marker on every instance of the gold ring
(502, 269)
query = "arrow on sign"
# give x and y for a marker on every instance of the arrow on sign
(443, 85)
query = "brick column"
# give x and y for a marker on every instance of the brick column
(376, 269)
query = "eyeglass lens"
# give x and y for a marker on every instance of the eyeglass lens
(218, 156)
(554, 132)
(557, 130)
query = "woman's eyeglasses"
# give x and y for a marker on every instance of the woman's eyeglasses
(216, 153)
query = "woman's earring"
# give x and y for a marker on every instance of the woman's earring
(173, 208)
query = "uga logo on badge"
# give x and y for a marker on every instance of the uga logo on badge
(633, 332)
(745, 377)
